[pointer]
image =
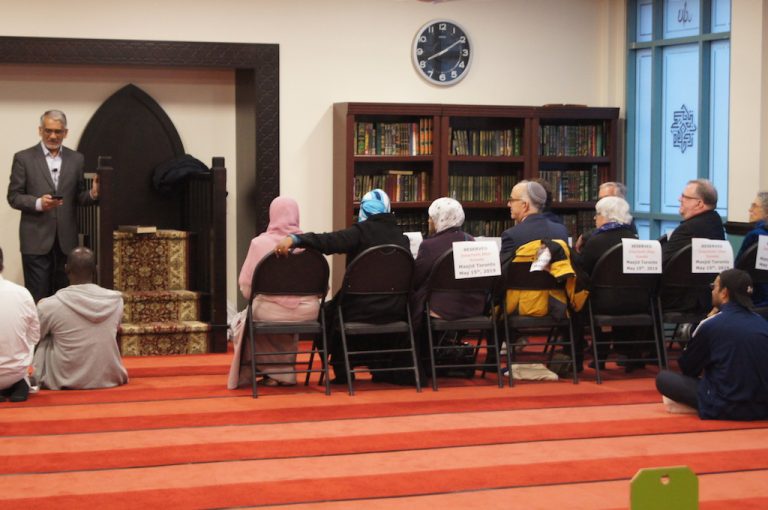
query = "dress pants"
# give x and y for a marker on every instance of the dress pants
(680, 388)
(44, 274)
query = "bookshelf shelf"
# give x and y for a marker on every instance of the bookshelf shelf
(474, 153)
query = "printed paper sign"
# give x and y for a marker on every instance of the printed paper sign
(710, 255)
(761, 261)
(415, 238)
(475, 259)
(641, 257)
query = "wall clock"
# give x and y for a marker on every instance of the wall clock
(442, 52)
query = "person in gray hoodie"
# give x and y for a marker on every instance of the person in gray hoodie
(78, 330)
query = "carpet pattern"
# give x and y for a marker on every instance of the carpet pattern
(174, 437)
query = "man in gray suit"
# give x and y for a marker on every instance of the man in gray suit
(46, 185)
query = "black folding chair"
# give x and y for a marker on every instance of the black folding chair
(607, 282)
(676, 277)
(380, 272)
(518, 276)
(442, 281)
(302, 273)
(747, 263)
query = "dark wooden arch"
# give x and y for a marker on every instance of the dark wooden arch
(257, 100)
(134, 130)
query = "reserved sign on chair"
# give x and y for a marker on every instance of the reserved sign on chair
(641, 257)
(710, 255)
(761, 260)
(475, 259)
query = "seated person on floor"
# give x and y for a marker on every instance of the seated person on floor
(78, 330)
(723, 367)
(758, 214)
(613, 223)
(376, 226)
(700, 220)
(446, 216)
(283, 221)
(19, 332)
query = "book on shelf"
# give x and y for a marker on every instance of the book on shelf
(399, 185)
(575, 185)
(394, 138)
(485, 142)
(568, 140)
(137, 229)
(492, 189)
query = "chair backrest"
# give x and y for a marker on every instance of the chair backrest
(677, 272)
(614, 292)
(381, 270)
(442, 278)
(302, 273)
(747, 263)
(609, 273)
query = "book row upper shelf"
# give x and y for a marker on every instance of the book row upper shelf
(399, 185)
(572, 140)
(573, 185)
(394, 138)
(484, 142)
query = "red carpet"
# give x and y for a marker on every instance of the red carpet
(174, 437)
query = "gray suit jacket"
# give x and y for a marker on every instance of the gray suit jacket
(30, 179)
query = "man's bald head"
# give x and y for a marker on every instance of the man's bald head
(81, 266)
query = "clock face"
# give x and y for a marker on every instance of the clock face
(442, 53)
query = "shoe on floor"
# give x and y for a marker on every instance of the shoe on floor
(592, 364)
(19, 391)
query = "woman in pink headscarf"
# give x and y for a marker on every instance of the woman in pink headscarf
(283, 221)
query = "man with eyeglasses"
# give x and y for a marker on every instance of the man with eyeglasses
(700, 220)
(46, 185)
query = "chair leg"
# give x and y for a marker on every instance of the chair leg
(510, 349)
(311, 362)
(252, 343)
(573, 353)
(413, 351)
(595, 354)
(347, 368)
(431, 354)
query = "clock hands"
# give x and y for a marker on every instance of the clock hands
(444, 51)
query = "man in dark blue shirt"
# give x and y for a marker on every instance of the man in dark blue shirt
(730, 347)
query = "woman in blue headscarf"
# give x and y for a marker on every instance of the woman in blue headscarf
(375, 226)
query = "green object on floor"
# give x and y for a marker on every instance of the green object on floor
(665, 488)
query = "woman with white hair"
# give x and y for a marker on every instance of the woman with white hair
(613, 223)
(446, 216)
(758, 215)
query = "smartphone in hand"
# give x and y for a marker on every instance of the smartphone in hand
(57, 197)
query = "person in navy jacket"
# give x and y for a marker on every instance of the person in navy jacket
(723, 368)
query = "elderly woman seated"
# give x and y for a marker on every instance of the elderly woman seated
(758, 214)
(613, 223)
(446, 216)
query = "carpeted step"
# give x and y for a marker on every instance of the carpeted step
(156, 261)
(163, 338)
(161, 306)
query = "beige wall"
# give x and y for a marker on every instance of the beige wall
(525, 53)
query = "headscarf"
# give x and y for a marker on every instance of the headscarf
(446, 213)
(374, 202)
(283, 220)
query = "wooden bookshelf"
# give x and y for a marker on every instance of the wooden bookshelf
(477, 153)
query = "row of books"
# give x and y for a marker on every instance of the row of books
(394, 138)
(575, 185)
(413, 221)
(400, 185)
(486, 228)
(579, 223)
(572, 140)
(484, 142)
(481, 188)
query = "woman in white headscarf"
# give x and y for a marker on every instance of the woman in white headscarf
(446, 216)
